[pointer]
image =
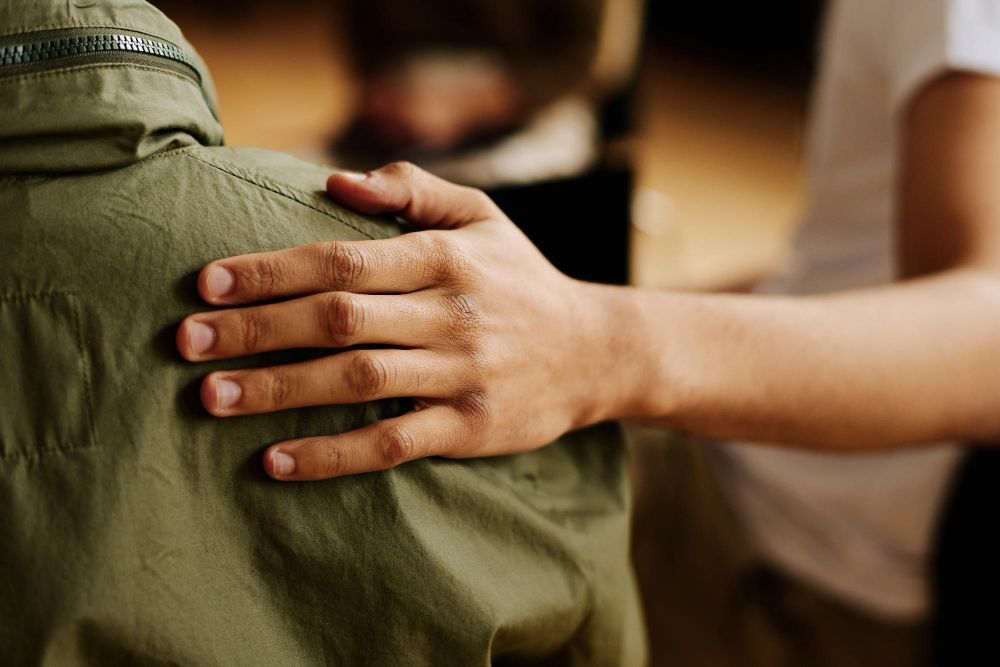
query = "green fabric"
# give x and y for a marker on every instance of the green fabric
(97, 117)
(136, 529)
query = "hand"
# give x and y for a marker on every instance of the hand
(500, 352)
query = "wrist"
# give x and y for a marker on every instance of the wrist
(618, 359)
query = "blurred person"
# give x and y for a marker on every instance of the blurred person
(487, 93)
(527, 99)
(841, 393)
(135, 529)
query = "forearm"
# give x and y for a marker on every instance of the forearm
(908, 363)
(501, 353)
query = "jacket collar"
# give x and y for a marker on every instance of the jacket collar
(102, 113)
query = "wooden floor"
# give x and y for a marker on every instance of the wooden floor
(718, 155)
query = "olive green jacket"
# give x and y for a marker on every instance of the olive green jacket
(135, 529)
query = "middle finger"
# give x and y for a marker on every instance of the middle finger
(334, 319)
(341, 379)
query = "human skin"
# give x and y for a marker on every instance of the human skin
(502, 353)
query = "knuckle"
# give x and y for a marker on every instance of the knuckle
(401, 169)
(277, 387)
(478, 363)
(253, 330)
(395, 445)
(449, 263)
(368, 376)
(343, 264)
(462, 327)
(463, 317)
(481, 200)
(476, 408)
(462, 307)
(331, 460)
(343, 318)
(265, 276)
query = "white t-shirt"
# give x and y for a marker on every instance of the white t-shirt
(860, 527)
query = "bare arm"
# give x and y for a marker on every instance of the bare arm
(907, 363)
(502, 353)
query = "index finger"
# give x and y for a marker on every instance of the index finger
(392, 266)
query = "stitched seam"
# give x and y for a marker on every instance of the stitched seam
(170, 153)
(96, 66)
(14, 179)
(91, 441)
(40, 454)
(273, 188)
(77, 24)
(38, 294)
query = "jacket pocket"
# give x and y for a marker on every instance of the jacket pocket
(45, 389)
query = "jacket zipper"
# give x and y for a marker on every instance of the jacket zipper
(48, 50)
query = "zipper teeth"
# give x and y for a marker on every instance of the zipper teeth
(81, 45)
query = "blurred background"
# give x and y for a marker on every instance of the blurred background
(689, 102)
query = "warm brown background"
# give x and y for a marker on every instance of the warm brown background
(720, 119)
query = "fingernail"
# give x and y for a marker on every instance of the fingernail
(282, 464)
(355, 175)
(227, 393)
(218, 281)
(201, 337)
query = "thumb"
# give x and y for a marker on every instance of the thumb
(413, 194)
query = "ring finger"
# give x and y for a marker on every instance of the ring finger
(350, 377)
